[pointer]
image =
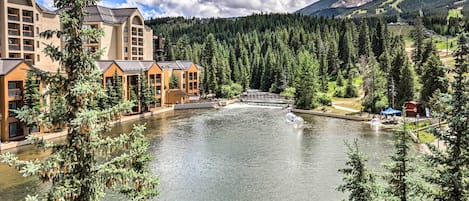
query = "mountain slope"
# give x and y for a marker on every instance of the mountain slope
(344, 8)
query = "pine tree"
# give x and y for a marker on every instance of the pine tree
(207, 60)
(364, 47)
(31, 100)
(450, 168)
(173, 82)
(379, 39)
(358, 180)
(406, 84)
(117, 89)
(351, 90)
(418, 36)
(306, 84)
(400, 168)
(333, 59)
(86, 164)
(374, 87)
(433, 78)
(145, 94)
(340, 80)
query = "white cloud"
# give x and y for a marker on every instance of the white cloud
(211, 8)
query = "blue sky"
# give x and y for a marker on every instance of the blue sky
(204, 8)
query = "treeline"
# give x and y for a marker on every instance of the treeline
(442, 173)
(314, 58)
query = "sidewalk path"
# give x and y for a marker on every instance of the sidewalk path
(345, 108)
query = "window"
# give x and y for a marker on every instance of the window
(126, 39)
(12, 105)
(38, 58)
(37, 30)
(126, 49)
(158, 78)
(183, 86)
(37, 44)
(37, 16)
(158, 90)
(14, 129)
(191, 86)
(152, 79)
(108, 82)
(126, 29)
(183, 75)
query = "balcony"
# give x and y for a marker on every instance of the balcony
(13, 14)
(140, 33)
(15, 93)
(134, 33)
(14, 32)
(158, 80)
(28, 48)
(28, 33)
(14, 47)
(28, 16)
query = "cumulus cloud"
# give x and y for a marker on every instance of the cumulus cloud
(211, 8)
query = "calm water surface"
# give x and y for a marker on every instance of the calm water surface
(240, 153)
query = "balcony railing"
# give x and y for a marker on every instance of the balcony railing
(158, 80)
(28, 19)
(134, 53)
(134, 43)
(13, 32)
(28, 47)
(13, 17)
(134, 33)
(14, 93)
(29, 61)
(140, 53)
(28, 33)
(140, 33)
(14, 47)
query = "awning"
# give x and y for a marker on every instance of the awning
(391, 111)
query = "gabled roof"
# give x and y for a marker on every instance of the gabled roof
(45, 10)
(8, 64)
(176, 65)
(110, 15)
(128, 66)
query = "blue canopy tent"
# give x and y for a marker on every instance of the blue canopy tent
(391, 111)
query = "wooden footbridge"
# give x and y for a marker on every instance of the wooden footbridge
(256, 97)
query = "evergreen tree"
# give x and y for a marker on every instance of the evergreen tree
(31, 99)
(117, 94)
(374, 87)
(306, 85)
(400, 167)
(333, 59)
(379, 39)
(173, 82)
(406, 91)
(364, 40)
(82, 166)
(433, 78)
(351, 90)
(418, 36)
(450, 167)
(207, 60)
(146, 98)
(340, 80)
(358, 180)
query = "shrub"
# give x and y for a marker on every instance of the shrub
(324, 99)
(288, 92)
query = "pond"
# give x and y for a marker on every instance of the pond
(239, 153)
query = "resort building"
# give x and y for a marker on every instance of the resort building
(125, 35)
(13, 74)
(130, 72)
(187, 74)
(21, 21)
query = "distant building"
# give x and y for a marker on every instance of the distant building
(21, 21)
(187, 74)
(13, 73)
(129, 71)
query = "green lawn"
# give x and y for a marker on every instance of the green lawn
(455, 13)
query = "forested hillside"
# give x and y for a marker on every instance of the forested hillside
(309, 58)
(383, 7)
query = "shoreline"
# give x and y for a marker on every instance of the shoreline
(11, 146)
